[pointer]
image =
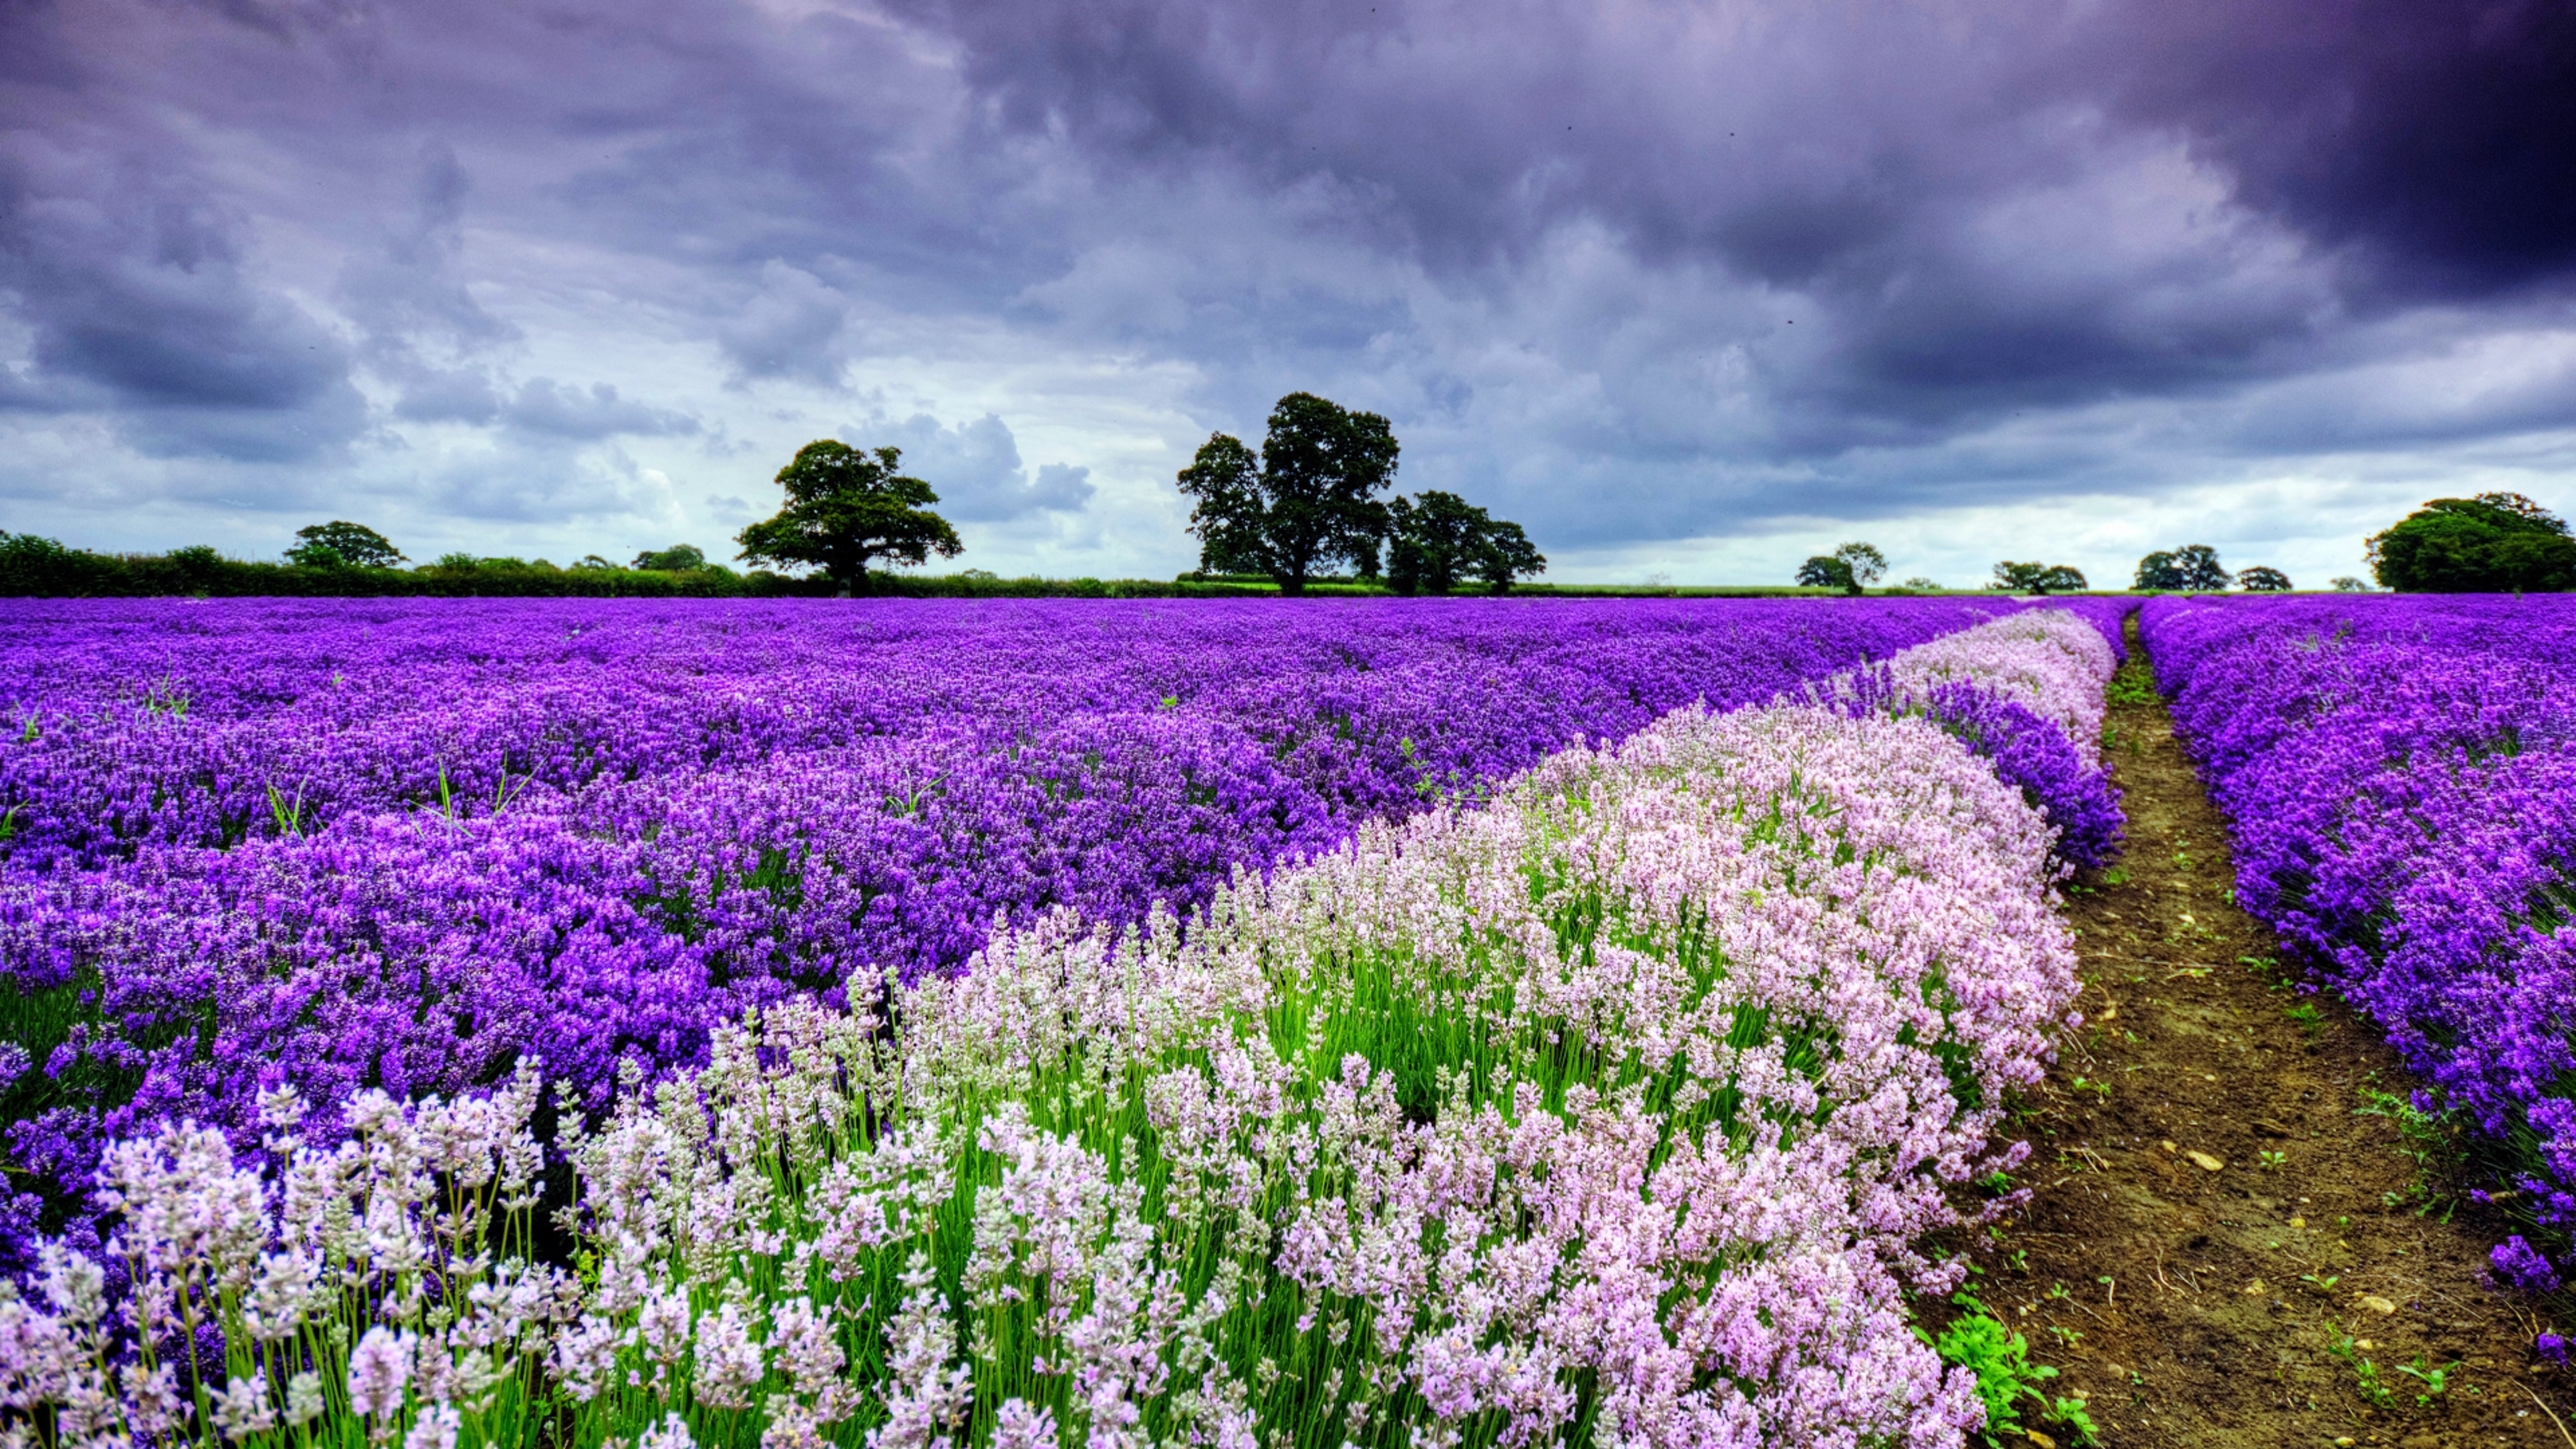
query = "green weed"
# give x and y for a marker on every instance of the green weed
(2134, 684)
(2428, 1139)
(2435, 1380)
(2365, 1372)
(2006, 1378)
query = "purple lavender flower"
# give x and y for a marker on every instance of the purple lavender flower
(2400, 777)
(2519, 1265)
(406, 844)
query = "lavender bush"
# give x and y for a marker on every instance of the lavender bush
(1610, 1111)
(2034, 714)
(402, 845)
(2400, 778)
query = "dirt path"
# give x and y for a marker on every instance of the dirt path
(2220, 1248)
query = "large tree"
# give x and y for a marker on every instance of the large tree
(844, 508)
(1308, 501)
(2493, 543)
(1431, 541)
(337, 544)
(1435, 539)
(1866, 563)
(1850, 568)
(1504, 554)
(2192, 569)
(1824, 571)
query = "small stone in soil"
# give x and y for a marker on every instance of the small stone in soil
(2204, 1161)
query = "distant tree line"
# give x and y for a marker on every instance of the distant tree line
(1302, 513)
(2194, 569)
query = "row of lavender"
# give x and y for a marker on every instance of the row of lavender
(1612, 1108)
(2400, 777)
(403, 845)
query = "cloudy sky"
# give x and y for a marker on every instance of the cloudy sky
(1691, 288)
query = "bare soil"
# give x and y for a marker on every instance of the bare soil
(2218, 1237)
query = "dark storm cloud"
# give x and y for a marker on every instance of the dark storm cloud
(1858, 157)
(134, 291)
(1631, 269)
(2437, 140)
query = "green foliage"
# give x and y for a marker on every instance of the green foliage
(2191, 569)
(2035, 578)
(679, 558)
(2365, 1372)
(1507, 555)
(1866, 563)
(2431, 1140)
(2493, 543)
(2436, 1379)
(1920, 585)
(1824, 571)
(1436, 540)
(33, 565)
(2006, 1378)
(1309, 501)
(846, 508)
(339, 544)
(2262, 580)
(2347, 584)
(2134, 684)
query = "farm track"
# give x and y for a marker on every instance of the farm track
(2231, 1305)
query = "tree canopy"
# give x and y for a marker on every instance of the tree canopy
(1436, 539)
(1505, 554)
(1866, 563)
(1849, 568)
(679, 558)
(2036, 578)
(2192, 569)
(845, 508)
(340, 544)
(1824, 571)
(1308, 501)
(2262, 580)
(2492, 543)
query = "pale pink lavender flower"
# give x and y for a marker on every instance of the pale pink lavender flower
(1018, 1426)
(671, 1433)
(243, 1408)
(379, 1371)
(729, 1363)
(435, 1428)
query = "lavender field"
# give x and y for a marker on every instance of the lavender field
(915, 1023)
(2400, 776)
